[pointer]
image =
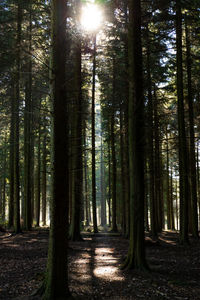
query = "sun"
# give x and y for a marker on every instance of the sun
(91, 17)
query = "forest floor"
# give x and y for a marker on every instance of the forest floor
(94, 271)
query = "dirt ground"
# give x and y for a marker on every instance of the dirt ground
(94, 267)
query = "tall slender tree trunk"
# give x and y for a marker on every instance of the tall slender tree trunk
(159, 211)
(151, 144)
(38, 177)
(198, 182)
(11, 167)
(192, 155)
(113, 155)
(136, 255)
(109, 185)
(56, 283)
(126, 138)
(177, 215)
(44, 175)
(172, 202)
(27, 132)
(93, 141)
(4, 180)
(183, 156)
(103, 200)
(17, 227)
(123, 175)
(87, 207)
(77, 201)
(167, 184)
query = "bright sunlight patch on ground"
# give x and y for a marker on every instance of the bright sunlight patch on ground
(91, 18)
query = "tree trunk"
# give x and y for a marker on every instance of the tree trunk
(192, 155)
(159, 211)
(123, 175)
(171, 203)
(27, 132)
(151, 145)
(87, 207)
(44, 175)
(77, 174)
(38, 185)
(11, 167)
(93, 142)
(109, 185)
(103, 200)
(136, 255)
(167, 184)
(113, 156)
(183, 156)
(56, 283)
(17, 227)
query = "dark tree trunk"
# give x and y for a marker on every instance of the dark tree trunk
(167, 184)
(171, 203)
(17, 227)
(27, 132)
(109, 185)
(136, 255)
(123, 175)
(37, 183)
(56, 283)
(93, 142)
(87, 208)
(159, 211)
(113, 155)
(11, 167)
(77, 145)
(44, 175)
(103, 200)
(192, 155)
(151, 145)
(183, 156)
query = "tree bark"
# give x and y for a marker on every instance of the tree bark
(183, 156)
(192, 155)
(17, 227)
(27, 132)
(93, 141)
(56, 283)
(136, 255)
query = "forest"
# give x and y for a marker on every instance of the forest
(99, 149)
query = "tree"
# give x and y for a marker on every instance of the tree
(27, 131)
(192, 158)
(56, 282)
(17, 227)
(77, 155)
(136, 254)
(93, 141)
(183, 156)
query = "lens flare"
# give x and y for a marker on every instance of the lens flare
(91, 17)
